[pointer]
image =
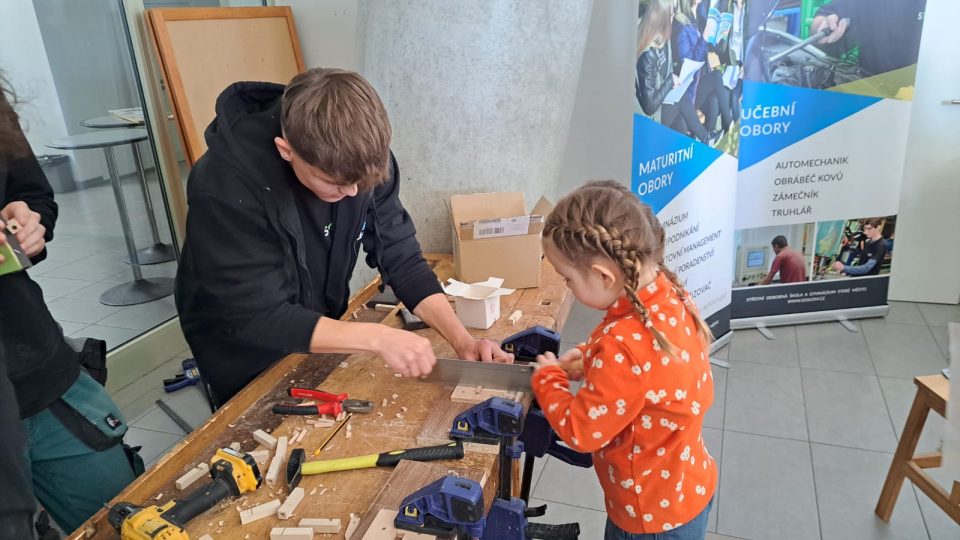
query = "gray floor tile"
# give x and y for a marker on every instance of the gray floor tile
(70, 327)
(751, 346)
(848, 484)
(902, 350)
(713, 438)
(581, 322)
(77, 310)
(157, 420)
(765, 400)
(723, 353)
(57, 287)
(714, 536)
(91, 243)
(90, 269)
(538, 466)
(92, 292)
(833, 347)
(154, 443)
(750, 505)
(939, 525)
(714, 417)
(898, 395)
(190, 404)
(63, 251)
(558, 477)
(592, 522)
(114, 336)
(940, 314)
(847, 409)
(941, 336)
(904, 312)
(143, 316)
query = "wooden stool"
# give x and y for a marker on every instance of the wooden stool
(933, 391)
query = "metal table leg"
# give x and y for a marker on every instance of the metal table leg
(158, 252)
(141, 289)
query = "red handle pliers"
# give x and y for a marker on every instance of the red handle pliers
(327, 403)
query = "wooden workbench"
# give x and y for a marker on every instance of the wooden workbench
(363, 376)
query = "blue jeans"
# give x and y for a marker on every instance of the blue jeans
(695, 529)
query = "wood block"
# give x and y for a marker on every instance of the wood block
(235, 446)
(259, 512)
(382, 529)
(290, 504)
(291, 533)
(472, 394)
(260, 456)
(274, 470)
(206, 537)
(352, 526)
(437, 424)
(282, 443)
(192, 476)
(407, 477)
(265, 439)
(515, 317)
(322, 526)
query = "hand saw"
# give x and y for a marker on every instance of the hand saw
(509, 377)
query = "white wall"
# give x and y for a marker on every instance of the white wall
(926, 251)
(327, 31)
(480, 95)
(23, 58)
(601, 130)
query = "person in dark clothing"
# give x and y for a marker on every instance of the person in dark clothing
(871, 256)
(655, 77)
(63, 425)
(295, 181)
(887, 35)
(687, 43)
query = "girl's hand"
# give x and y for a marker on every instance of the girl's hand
(572, 362)
(545, 360)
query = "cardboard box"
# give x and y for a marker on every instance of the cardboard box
(494, 236)
(477, 304)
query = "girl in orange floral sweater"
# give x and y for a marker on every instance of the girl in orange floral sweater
(646, 375)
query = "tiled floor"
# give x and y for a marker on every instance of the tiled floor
(803, 428)
(86, 257)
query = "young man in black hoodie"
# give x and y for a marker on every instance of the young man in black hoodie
(295, 181)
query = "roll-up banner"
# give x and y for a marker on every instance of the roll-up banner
(826, 106)
(685, 133)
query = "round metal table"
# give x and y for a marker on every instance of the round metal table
(141, 289)
(158, 252)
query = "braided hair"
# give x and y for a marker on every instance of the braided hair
(604, 219)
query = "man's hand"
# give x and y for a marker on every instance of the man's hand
(572, 362)
(407, 353)
(836, 25)
(483, 350)
(837, 266)
(31, 230)
(676, 80)
(546, 360)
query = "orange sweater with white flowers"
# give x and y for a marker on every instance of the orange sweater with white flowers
(640, 412)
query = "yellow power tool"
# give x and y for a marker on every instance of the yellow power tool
(234, 473)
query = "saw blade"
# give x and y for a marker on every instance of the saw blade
(509, 377)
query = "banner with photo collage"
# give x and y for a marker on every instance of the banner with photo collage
(826, 106)
(689, 58)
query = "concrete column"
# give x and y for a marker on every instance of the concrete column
(480, 95)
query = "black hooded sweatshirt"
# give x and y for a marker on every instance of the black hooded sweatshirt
(245, 291)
